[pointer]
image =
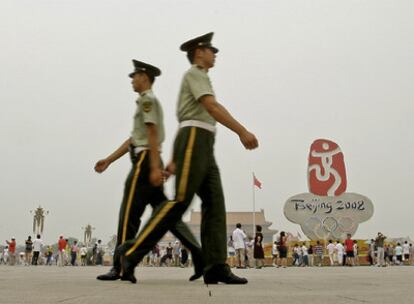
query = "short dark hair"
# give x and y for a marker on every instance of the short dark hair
(151, 78)
(38, 236)
(191, 55)
(258, 228)
(238, 225)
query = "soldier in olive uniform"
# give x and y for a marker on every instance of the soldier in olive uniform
(144, 182)
(195, 168)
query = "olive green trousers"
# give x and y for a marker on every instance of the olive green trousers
(138, 193)
(196, 173)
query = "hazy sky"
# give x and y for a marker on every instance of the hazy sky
(291, 71)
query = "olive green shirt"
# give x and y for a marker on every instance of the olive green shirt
(194, 85)
(148, 111)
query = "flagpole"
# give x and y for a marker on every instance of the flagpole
(254, 208)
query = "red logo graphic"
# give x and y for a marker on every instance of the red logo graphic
(326, 169)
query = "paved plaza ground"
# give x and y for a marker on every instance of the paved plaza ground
(70, 285)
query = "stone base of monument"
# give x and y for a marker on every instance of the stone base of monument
(328, 217)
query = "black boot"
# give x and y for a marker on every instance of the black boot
(128, 270)
(112, 275)
(129, 276)
(196, 276)
(198, 269)
(222, 273)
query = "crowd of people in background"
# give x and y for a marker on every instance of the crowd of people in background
(63, 253)
(243, 252)
(72, 253)
(246, 251)
(172, 255)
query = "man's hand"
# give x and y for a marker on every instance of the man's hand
(101, 165)
(248, 140)
(156, 177)
(169, 170)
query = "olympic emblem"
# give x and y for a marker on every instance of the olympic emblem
(327, 211)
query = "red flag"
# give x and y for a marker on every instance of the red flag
(256, 182)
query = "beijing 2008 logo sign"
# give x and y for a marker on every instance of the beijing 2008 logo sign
(327, 211)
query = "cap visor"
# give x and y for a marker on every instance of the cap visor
(215, 50)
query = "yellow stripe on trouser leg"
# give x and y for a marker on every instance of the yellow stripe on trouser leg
(131, 195)
(182, 188)
(151, 226)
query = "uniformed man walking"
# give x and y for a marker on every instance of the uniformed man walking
(195, 168)
(144, 182)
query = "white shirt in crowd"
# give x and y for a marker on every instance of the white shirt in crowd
(37, 245)
(238, 238)
(398, 250)
(249, 244)
(406, 248)
(330, 248)
(274, 249)
(83, 251)
(339, 248)
(304, 250)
